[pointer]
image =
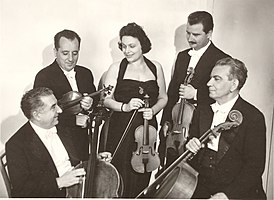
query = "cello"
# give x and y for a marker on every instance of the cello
(182, 113)
(145, 159)
(102, 179)
(179, 180)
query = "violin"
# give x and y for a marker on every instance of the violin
(182, 114)
(102, 179)
(145, 159)
(70, 102)
(179, 180)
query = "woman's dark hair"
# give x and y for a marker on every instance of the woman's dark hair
(136, 31)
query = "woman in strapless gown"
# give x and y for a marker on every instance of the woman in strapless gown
(133, 78)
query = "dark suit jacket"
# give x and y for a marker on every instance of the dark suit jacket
(199, 81)
(31, 169)
(54, 78)
(239, 171)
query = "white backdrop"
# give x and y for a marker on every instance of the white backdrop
(243, 29)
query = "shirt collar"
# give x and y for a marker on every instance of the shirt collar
(200, 51)
(226, 107)
(42, 132)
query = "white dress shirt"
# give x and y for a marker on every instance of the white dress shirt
(55, 148)
(71, 79)
(220, 115)
(196, 55)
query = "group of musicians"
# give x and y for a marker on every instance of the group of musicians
(204, 116)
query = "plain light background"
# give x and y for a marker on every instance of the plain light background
(243, 28)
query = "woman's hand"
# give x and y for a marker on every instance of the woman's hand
(133, 104)
(147, 113)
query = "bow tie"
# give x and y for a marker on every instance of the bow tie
(217, 108)
(193, 52)
(50, 132)
(70, 74)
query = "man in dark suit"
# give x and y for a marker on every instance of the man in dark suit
(63, 76)
(39, 155)
(201, 57)
(230, 165)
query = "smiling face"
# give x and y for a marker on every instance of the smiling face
(222, 87)
(196, 36)
(67, 54)
(47, 116)
(131, 48)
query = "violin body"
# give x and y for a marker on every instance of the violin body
(70, 103)
(145, 159)
(107, 182)
(182, 114)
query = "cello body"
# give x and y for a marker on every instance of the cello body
(107, 182)
(179, 180)
(180, 183)
(102, 179)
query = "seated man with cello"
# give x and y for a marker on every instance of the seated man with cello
(230, 165)
(40, 155)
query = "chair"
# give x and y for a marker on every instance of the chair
(4, 172)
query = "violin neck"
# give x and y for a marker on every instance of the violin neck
(146, 133)
(181, 111)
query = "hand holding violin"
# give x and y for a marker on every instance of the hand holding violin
(86, 102)
(147, 113)
(133, 104)
(187, 91)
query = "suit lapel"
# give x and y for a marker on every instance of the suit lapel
(228, 136)
(61, 79)
(206, 115)
(38, 149)
(66, 139)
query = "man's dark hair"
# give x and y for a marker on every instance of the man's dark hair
(202, 17)
(71, 35)
(238, 69)
(31, 100)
